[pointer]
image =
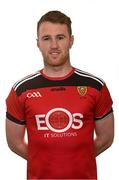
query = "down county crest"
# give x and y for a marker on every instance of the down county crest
(82, 90)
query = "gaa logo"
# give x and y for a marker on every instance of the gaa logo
(59, 120)
(34, 94)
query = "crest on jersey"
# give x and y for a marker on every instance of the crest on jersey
(82, 90)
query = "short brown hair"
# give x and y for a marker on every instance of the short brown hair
(56, 17)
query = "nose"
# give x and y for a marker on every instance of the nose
(54, 44)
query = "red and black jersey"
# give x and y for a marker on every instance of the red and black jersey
(60, 115)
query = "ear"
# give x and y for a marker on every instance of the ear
(71, 41)
(37, 41)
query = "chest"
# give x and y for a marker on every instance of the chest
(73, 99)
(60, 113)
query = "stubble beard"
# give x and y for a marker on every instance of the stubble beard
(57, 62)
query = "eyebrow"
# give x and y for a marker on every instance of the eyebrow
(60, 35)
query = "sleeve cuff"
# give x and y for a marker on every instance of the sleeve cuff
(100, 118)
(12, 118)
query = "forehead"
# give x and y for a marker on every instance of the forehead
(52, 28)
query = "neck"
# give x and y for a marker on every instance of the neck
(57, 71)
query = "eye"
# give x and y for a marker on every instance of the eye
(46, 38)
(60, 37)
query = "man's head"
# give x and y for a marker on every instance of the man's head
(55, 38)
(55, 17)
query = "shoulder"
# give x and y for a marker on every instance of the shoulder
(27, 81)
(89, 79)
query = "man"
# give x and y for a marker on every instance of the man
(60, 107)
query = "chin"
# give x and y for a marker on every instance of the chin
(55, 62)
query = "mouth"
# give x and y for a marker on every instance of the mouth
(54, 53)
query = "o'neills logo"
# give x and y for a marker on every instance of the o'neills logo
(82, 90)
(59, 120)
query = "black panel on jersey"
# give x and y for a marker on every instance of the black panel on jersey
(74, 80)
(11, 118)
(111, 110)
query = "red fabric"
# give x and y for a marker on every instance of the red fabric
(60, 125)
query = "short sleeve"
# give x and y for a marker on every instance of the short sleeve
(15, 109)
(103, 104)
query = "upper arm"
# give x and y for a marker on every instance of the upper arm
(105, 128)
(14, 133)
(15, 124)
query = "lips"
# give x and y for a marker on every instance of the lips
(54, 54)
